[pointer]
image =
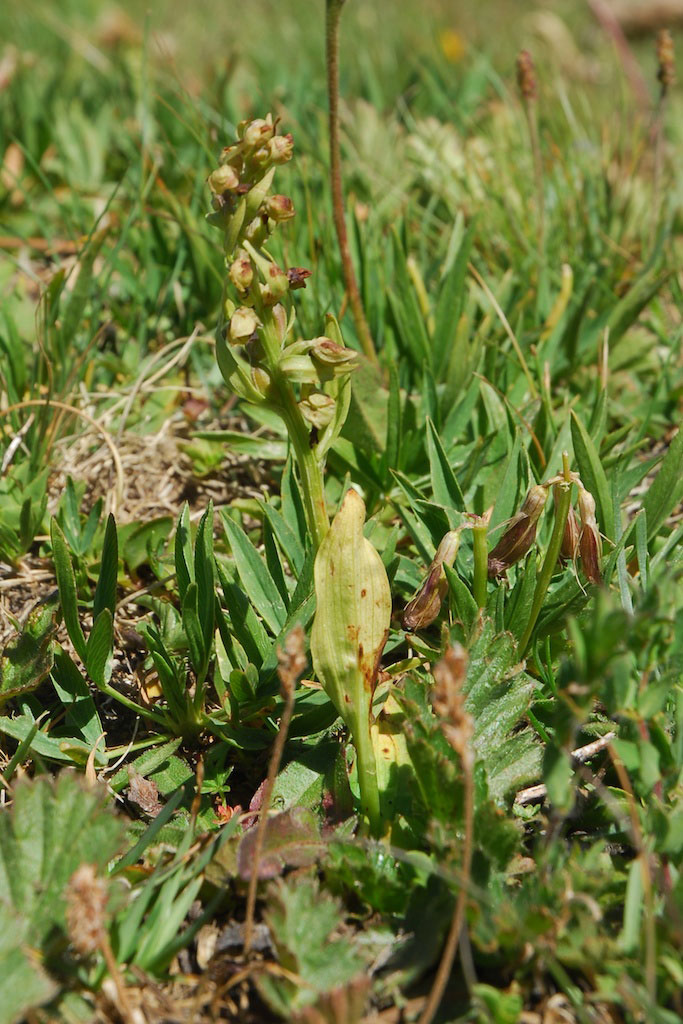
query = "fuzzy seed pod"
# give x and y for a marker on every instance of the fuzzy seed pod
(666, 60)
(520, 534)
(526, 76)
(424, 608)
(590, 544)
(86, 906)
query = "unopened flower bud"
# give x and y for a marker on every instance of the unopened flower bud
(276, 286)
(257, 132)
(590, 544)
(279, 208)
(666, 60)
(520, 534)
(526, 76)
(257, 231)
(243, 323)
(232, 155)
(241, 273)
(281, 148)
(318, 409)
(421, 611)
(297, 277)
(333, 360)
(223, 179)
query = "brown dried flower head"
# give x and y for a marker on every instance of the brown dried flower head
(526, 76)
(291, 659)
(666, 60)
(421, 611)
(448, 700)
(86, 906)
(570, 537)
(520, 534)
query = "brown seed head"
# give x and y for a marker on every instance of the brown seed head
(666, 60)
(526, 76)
(86, 905)
(423, 609)
(448, 701)
(292, 659)
(520, 534)
(590, 544)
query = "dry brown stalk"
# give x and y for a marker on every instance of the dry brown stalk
(291, 666)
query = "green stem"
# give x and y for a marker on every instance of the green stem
(367, 776)
(152, 716)
(310, 467)
(481, 555)
(551, 556)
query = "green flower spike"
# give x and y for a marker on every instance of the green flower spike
(353, 602)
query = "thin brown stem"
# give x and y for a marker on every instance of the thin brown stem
(458, 919)
(333, 16)
(125, 1008)
(292, 662)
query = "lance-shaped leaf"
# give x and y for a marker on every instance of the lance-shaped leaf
(351, 626)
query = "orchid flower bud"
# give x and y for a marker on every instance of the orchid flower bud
(318, 409)
(276, 286)
(223, 179)
(281, 148)
(333, 360)
(257, 132)
(243, 323)
(241, 272)
(279, 208)
(520, 534)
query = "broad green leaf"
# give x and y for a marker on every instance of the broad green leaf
(100, 648)
(74, 694)
(292, 839)
(27, 658)
(66, 582)
(24, 985)
(105, 592)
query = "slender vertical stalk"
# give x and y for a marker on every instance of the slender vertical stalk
(366, 766)
(552, 554)
(458, 919)
(332, 19)
(288, 687)
(481, 552)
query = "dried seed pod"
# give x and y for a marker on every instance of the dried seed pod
(526, 76)
(590, 544)
(86, 907)
(421, 611)
(666, 60)
(570, 537)
(520, 534)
